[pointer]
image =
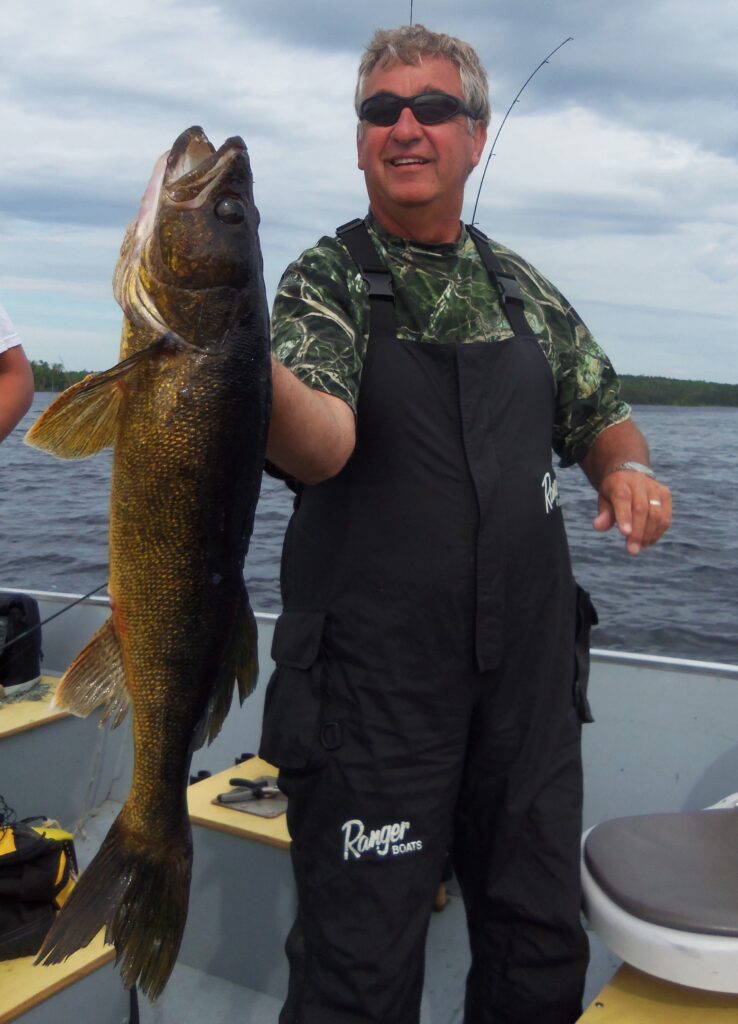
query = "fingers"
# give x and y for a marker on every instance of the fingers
(605, 519)
(658, 519)
(639, 505)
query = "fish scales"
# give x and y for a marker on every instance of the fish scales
(186, 411)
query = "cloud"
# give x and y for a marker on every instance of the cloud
(615, 173)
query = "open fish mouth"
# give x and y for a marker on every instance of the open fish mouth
(183, 178)
(194, 166)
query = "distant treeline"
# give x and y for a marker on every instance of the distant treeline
(666, 391)
(54, 377)
(635, 390)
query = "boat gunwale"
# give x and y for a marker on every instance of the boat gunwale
(597, 654)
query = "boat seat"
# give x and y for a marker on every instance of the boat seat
(662, 891)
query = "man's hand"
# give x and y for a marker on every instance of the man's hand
(637, 503)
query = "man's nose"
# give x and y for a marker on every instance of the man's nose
(407, 127)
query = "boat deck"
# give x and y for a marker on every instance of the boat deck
(633, 997)
(195, 995)
(24, 987)
(24, 715)
(232, 965)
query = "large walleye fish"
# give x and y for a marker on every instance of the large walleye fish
(186, 411)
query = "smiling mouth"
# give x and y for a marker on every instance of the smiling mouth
(408, 161)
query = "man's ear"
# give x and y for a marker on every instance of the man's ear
(480, 140)
(359, 141)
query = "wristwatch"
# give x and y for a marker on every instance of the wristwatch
(635, 467)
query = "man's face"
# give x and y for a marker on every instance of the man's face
(416, 173)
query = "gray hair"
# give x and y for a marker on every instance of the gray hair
(409, 44)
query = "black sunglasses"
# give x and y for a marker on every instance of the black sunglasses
(385, 108)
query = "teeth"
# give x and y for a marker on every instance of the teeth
(407, 160)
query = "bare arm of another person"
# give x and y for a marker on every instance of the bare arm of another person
(637, 503)
(311, 434)
(16, 388)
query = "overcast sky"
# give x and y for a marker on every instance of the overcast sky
(616, 174)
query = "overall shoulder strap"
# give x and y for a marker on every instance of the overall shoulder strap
(511, 298)
(357, 240)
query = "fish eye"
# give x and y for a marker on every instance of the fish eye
(230, 210)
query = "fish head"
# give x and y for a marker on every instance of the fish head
(192, 254)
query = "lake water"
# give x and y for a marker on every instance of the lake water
(678, 598)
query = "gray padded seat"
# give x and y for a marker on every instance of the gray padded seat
(675, 870)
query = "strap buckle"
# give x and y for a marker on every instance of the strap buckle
(379, 281)
(509, 288)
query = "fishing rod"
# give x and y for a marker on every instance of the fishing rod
(502, 125)
(66, 608)
(532, 75)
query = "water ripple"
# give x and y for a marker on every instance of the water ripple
(677, 598)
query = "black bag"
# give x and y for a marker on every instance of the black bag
(38, 869)
(20, 642)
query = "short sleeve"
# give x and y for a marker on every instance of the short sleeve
(9, 337)
(318, 320)
(587, 387)
(588, 393)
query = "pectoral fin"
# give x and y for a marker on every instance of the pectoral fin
(84, 419)
(96, 677)
(81, 421)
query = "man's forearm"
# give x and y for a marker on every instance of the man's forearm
(16, 388)
(311, 434)
(622, 442)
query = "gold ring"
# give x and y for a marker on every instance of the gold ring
(655, 502)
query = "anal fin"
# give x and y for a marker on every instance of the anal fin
(239, 667)
(247, 649)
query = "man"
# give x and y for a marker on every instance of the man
(427, 695)
(16, 377)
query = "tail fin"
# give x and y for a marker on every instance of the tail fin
(140, 895)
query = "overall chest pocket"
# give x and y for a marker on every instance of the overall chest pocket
(295, 697)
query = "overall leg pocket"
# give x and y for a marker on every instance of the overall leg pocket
(293, 705)
(586, 618)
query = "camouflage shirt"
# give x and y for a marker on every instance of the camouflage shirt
(320, 324)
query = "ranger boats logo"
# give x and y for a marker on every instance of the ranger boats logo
(550, 487)
(377, 843)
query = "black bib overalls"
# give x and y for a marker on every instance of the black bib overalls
(424, 696)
